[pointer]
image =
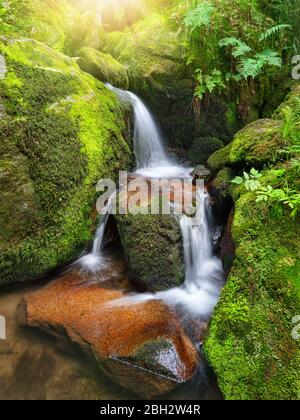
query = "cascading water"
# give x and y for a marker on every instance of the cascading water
(150, 154)
(95, 260)
(204, 274)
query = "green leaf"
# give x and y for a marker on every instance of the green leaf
(237, 180)
(246, 176)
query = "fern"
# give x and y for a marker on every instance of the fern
(273, 31)
(240, 48)
(252, 67)
(199, 16)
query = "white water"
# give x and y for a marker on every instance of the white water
(95, 260)
(204, 275)
(151, 158)
(203, 270)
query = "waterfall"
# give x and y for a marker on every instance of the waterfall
(150, 154)
(203, 270)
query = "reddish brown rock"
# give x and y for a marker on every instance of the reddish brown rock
(139, 346)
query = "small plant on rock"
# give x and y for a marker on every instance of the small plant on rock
(250, 180)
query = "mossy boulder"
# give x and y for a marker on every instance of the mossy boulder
(292, 101)
(61, 131)
(153, 247)
(258, 143)
(219, 159)
(250, 343)
(104, 67)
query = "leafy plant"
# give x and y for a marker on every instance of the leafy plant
(282, 196)
(252, 67)
(240, 48)
(208, 83)
(200, 15)
(286, 196)
(250, 180)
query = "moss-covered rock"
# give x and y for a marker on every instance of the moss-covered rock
(258, 143)
(221, 183)
(250, 344)
(291, 101)
(219, 159)
(61, 131)
(104, 67)
(153, 246)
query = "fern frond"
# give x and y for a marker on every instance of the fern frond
(269, 57)
(249, 67)
(252, 67)
(199, 16)
(273, 31)
(240, 48)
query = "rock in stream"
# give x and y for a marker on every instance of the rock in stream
(140, 346)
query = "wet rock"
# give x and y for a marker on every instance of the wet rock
(140, 345)
(219, 189)
(200, 172)
(34, 366)
(228, 246)
(153, 248)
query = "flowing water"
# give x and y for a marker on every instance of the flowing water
(95, 260)
(204, 274)
(151, 157)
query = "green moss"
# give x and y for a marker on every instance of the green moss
(63, 131)
(250, 344)
(104, 67)
(222, 182)
(219, 159)
(291, 101)
(154, 249)
(258, 143)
